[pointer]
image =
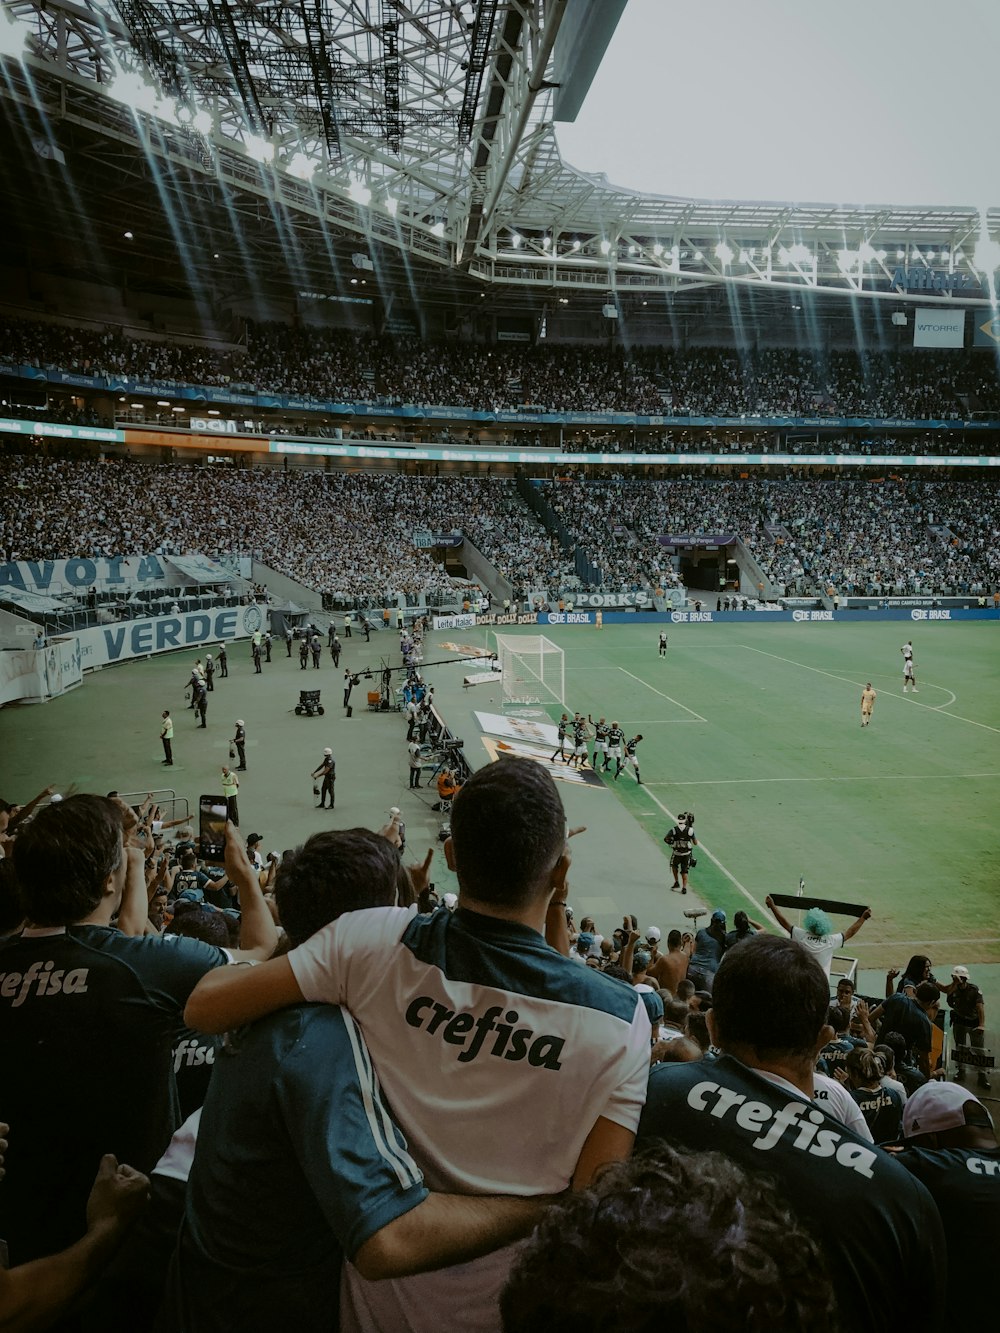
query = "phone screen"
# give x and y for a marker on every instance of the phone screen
(212, 827)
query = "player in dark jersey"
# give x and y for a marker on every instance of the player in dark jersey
(580, 746)
(561, 730)
(631, 758)
(616, 738)
(601, 731)
(663, 643)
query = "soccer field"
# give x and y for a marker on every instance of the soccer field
(756, 728)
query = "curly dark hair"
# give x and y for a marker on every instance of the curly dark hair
(676, 1240)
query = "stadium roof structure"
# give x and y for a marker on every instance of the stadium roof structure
(424, 129)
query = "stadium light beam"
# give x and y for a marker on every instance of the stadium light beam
(259, 149)
(605, 247)
(724, 254)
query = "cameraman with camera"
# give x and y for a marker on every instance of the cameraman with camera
(681, 841)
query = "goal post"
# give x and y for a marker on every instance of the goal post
(533, 670)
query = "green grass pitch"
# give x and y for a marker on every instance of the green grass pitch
(757, 729)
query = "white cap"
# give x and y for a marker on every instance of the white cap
(960, 972)
(653, 934)
(240, 722)
(328, 750)
(393, 809)
(55, 797)
(450, 901)
(935, 1107)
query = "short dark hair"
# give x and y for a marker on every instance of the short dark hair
(340, 870)
(658, 1240)
(508, 830)
(617, 971)
(685, 989)
(674, 939)
(838, 1018)
(927, 993)
(696, 1027)
(63, 858)
(770, 995)
(200, 923)
(675, 1011)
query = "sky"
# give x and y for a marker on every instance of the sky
(855, 102)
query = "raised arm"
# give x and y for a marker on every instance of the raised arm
(34, 1295)
(258, 937)
(778, 915)
(851, 931)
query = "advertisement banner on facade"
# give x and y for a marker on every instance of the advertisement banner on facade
(105, 644)
(938, 328)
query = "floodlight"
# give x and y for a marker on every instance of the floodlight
(131, 89)
(360, 192)
(866, 253)
(391, 206)
(437, 229)
(881, 256)
(515, 240)
(724, 254)
(745, 256)
(698, 256)
(846, 260)
(657, 250)
(631, 249)
(301, 166)
(258, 148)
(900, 254)
(800, 254)
(784, 257)
(546, 242)
(575, 245)
(605, 247)
(675, 254)
(202, 121)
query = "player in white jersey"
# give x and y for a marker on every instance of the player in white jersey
(909, 679)
(513, 1069)
(907, 650)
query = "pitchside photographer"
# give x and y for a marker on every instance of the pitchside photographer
(681, 841)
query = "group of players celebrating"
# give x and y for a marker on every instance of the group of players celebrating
(609, 743)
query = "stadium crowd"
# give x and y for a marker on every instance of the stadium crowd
(355, 1003)
(862, 538)
(350, 536)
(326, 364)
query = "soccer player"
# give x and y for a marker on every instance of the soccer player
(868, 697)
(615, 739)
(561, 731)
(909, 679)
(663, 643)
(580, 746)
(601, 730)
(907, 650)
(631, 759)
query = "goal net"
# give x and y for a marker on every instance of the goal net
(533, 670)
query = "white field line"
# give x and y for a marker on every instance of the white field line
(876, 777)
(640, 680)
(878, 944)
(891, 694)
(714, 859)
